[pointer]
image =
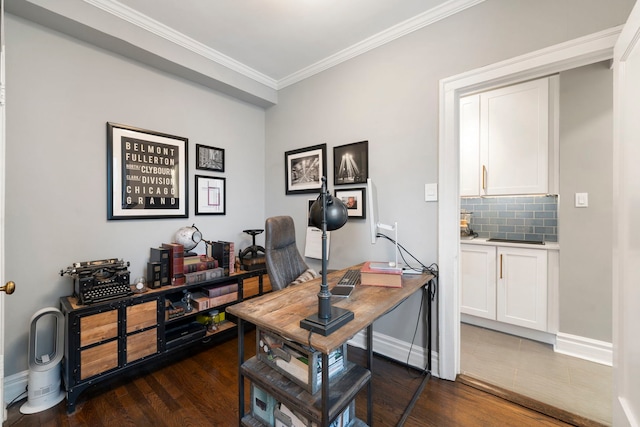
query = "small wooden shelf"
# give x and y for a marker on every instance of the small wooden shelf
(343, 388)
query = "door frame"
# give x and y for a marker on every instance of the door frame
(564, 56)
(626, 86)
(2, 192)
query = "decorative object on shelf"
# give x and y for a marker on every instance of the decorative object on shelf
(250, 257)
(304, 168)
(355, 201)
(186, 300)
(189, 237)
(140, 285)
(211, 195)
(327, 213)
(209, 158)
(146, 174)
(351, 163)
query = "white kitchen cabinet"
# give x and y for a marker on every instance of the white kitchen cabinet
(478, 278)
(522, 287)
(470, 146)
(506, 284)
(504, 140)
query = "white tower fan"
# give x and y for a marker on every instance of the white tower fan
(43, 389)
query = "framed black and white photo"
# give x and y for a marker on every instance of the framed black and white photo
(355, 201)
(304, 169)
(146, 174)
(211, 195)
(209, 158)
(351, 163)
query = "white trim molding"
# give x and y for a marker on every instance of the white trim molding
(429, 17)
(584, 348)
(397, 350)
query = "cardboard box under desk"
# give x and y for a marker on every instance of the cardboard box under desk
(297, 362)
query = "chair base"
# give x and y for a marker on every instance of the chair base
(324, 327)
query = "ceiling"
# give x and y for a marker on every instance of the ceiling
(248, 49)
(279, 38)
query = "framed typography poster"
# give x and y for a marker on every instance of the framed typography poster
(146, 174)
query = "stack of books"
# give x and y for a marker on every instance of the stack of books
(386, 276)
(223, 252)
(201, 268)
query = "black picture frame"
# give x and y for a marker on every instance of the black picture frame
(351, 163)
(209, 158)
(304, 169)
(211, 195)
(146, 174)
(355, 199)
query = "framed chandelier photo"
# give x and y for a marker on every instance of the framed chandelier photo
(351, 163)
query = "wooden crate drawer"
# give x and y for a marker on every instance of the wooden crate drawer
(141, 316)
(251, 286)
(142, 344)
(98, 327)
(99, 359)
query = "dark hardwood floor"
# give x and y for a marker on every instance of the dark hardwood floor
(199, 388)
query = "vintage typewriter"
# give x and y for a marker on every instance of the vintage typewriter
(101, 280)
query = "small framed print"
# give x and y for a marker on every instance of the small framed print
(209, 158)
(355, 201)
(304, 169)
(351, 163)
(211, 195)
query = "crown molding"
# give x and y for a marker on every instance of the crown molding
(144, 22)
(410, 25)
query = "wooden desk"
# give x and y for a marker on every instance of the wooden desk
(281, 312)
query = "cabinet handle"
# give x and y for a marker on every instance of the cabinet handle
(484, 175)
(501, 266)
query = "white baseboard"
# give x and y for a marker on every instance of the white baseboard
(584, 348)
(15, 387)
(519, 331)
(397, 350)
(390, 347)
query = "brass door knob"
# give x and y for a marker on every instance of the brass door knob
(9, 287)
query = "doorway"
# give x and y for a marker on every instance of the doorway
(587, 50)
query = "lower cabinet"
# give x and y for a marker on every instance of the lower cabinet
(506, 284)
(104, 339)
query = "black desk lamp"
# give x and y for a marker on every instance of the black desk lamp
(328, 214)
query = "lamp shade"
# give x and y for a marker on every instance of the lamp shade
(337, 213)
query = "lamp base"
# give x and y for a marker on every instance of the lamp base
(324, 327)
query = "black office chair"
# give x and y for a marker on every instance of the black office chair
(285, 265)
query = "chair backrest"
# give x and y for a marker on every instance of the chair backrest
(284, 262)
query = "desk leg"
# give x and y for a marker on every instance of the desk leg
(325, 390)
(370, 368)
(240, 376)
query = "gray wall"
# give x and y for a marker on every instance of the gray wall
(389, 96)
(586, 166)
(60, 94)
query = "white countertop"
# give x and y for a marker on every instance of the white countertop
(550, 246)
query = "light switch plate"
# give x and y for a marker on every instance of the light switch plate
(582, 200)
(431, 192)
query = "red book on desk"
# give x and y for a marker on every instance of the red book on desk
(388, 277)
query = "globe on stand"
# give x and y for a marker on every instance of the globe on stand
(189, 237)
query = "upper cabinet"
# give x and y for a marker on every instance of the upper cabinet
(506, 139)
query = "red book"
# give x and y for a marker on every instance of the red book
(387, 277)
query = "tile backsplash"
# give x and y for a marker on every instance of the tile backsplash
(517, 217)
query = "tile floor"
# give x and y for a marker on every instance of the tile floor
(533, 369)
